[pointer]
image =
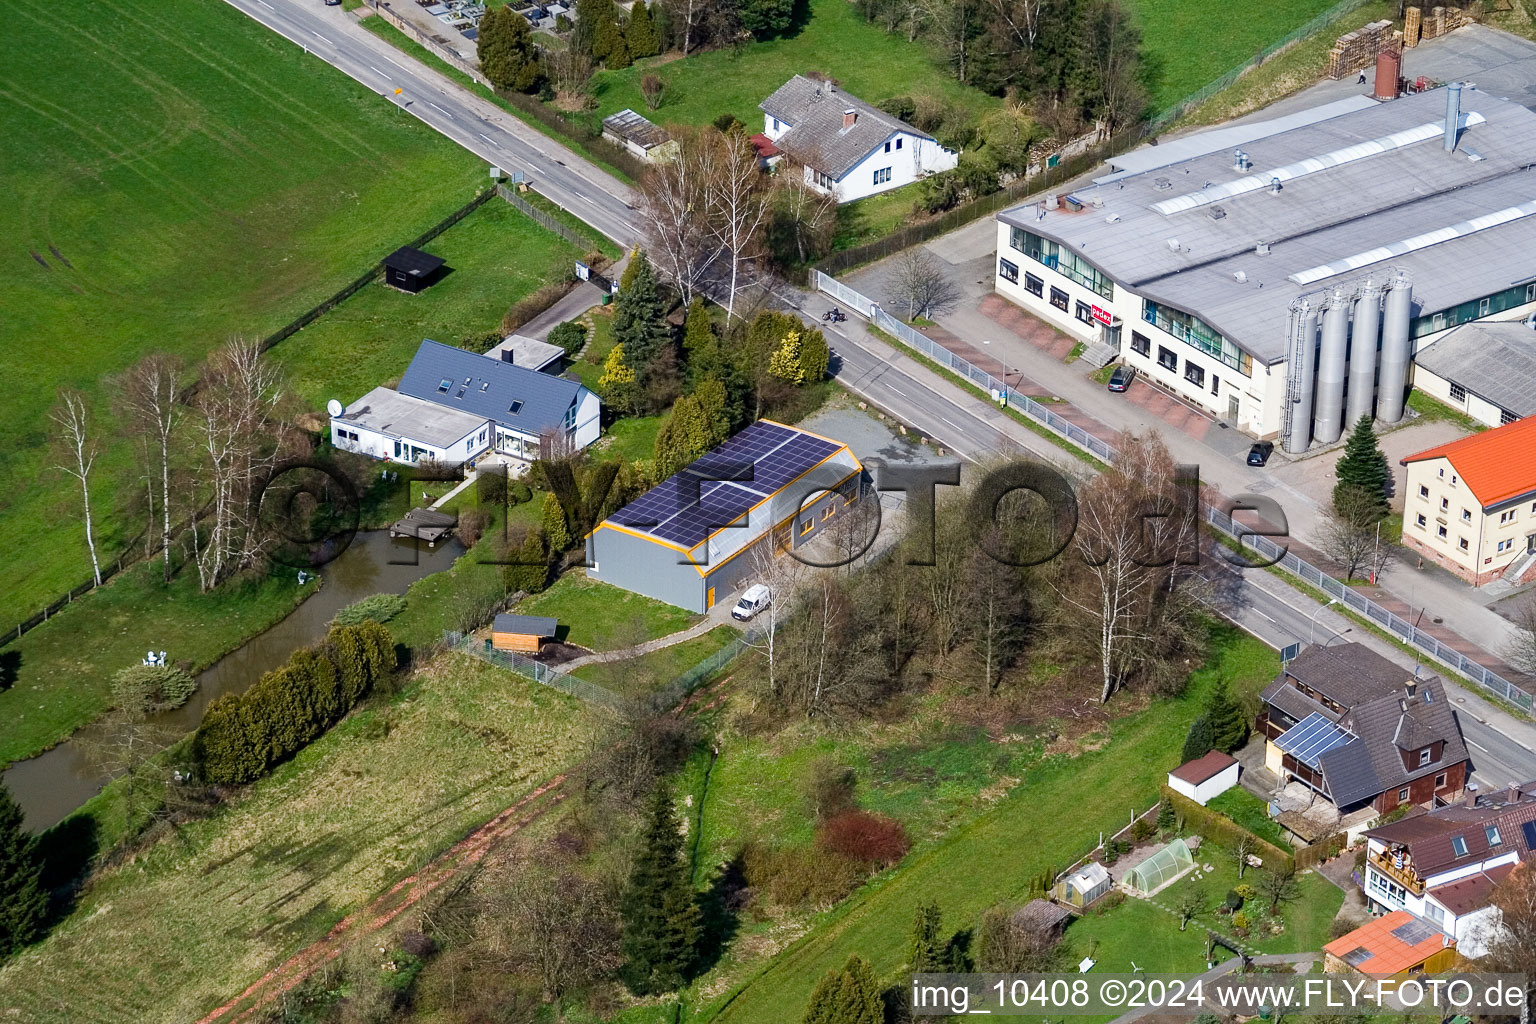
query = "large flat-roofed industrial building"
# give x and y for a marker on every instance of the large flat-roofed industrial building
(1285, 285)
(703, 531)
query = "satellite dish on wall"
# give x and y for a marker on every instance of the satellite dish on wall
(333, 407)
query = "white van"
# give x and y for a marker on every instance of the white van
(754, 600)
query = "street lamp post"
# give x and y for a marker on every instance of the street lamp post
(1312, 633)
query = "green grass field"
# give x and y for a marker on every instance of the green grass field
(65, 668)
(191, 922)
(870, 63)
(1251, 813)
(602, 617)
(636, 677)
(496, 255)
(989, 859)
(1189, 45)
(176, 174)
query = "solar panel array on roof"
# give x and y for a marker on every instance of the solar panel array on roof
(1358, 956)
(1312, 737)
(1414, 932)
(720, 487)
(1529, 831)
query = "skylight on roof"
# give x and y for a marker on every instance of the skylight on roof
(1414, 932)
(444, 384)
(1312, 737)
(1417, 242)
(516, 406)
(1492, 832)
(1459, 844)
(1311, 165)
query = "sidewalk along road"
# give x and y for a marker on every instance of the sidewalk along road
(473, 122)
(1503, 747)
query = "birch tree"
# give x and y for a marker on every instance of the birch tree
(674, 209)
(77, 450)
(151, 398)
(234, 419)
(737, 203)
(783, 575)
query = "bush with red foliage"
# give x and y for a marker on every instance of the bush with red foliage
(870, 839)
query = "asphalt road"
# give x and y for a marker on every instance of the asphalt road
(476, 124)
(860, 364)
(1279, 616)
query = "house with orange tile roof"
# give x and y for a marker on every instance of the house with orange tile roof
(1471, 504)
(1394, 945)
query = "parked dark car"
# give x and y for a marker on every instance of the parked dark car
(1258, 455)
(1120, 379)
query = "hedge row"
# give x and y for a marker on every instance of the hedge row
(1222, 829)
(244, 735)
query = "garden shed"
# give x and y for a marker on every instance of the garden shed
(521, 633)
(1162, 867)
(1081, 887)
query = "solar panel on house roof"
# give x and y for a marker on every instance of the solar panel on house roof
(1358, 956)
(1312, 737)
(1414, 932)
(1529, 831)
(718, 488)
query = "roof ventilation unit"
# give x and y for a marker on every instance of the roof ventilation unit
(1163, 184)
(1114, 218)
(1217, 213)
(1262, 249)
(1239, 276)
(1173, 245)
(1275, 186)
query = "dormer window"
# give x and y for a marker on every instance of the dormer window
(1459, 845)
(516, 407)
(1424, 756)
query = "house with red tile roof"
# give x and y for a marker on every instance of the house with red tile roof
(1443, 866)
(1470, 505)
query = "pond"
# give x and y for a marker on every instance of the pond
(51, 785)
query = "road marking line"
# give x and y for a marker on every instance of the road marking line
(1269, 617)
(378, 72)
(317, 35)
(896, 389)
(266, 5)
(439, 108)
(396, 63)
(1479, 746)
(951, 422)
(487, 138)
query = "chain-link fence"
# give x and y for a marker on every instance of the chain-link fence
(1395, 624)
(663, 699)
(865, 306)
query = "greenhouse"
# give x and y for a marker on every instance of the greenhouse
(1161, 868)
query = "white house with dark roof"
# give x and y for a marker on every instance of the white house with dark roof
(849, 149)
(455, 406)
(1486, 369)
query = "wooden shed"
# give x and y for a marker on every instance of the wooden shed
(411, 270)
(521, 633)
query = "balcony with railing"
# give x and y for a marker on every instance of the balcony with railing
(1398, 868)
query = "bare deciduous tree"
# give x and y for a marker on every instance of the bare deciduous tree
(782, 574)
(673, 207)
(922, 285)
(1111, 52)
(1122, 590)
(1512, 936)
(151, 398)
(570, 72)
(1242, 848)
(234, 420)
(652, 88)
(1352, 535)
(77, 451)
(1522, 649)
(563, 928)
(736, 202)
(802, 215)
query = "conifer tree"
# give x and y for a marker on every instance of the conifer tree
(925, 950)
(552, 517)
(507, 52)
(785, 361)
(1199, 742)
(701, 348)
(661, 917)
(848, 996)
(617, 385)
(527, 567)
(1362, 467)
(1229, 727)
(1166, 819)
(640, 33)
(23, 901)
(608, 40)
(639, 325)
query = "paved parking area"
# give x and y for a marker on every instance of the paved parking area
(1314, 475)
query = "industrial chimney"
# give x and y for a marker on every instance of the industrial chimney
(1389, 69)
(1452, 114)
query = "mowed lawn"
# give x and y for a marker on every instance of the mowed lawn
(191, 923)
(602, 617)
(869, 62)
(496, 256)
(1189, 45)
(63, 668)
(1053, 815)
(175, 174)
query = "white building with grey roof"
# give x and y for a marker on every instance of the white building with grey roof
(848, 148)
(1486, 369)
(1285, 285)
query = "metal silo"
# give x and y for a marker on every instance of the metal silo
(1362, 353)
(1396, 348)
(1301, 376)
(1329, 408)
